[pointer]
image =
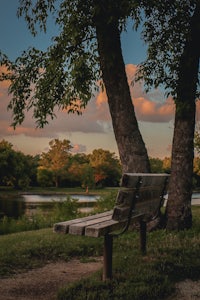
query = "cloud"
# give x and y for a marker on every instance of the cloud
(4, 84)
(149, 111)
(88, 122)
(145, 108)
(95, 118)
(130, 72)
(64, 122)
(77, 148)
(169, 148)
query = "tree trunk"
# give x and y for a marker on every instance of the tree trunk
(178, 212)
(132, 150)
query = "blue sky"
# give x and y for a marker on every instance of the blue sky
(16, 37)
(92, 130)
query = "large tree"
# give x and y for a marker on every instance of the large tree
(172, 32)
(86, 50)
(16, 168)
(56, 159)
(107, 168)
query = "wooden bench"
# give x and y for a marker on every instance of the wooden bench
(139, 200)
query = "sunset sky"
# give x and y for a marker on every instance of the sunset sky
(93, 129)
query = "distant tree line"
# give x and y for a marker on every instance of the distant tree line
(59, 167)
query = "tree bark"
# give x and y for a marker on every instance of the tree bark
(178, 211)
(132, 150)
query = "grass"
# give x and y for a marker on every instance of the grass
(171, 257)
(27, 250)
(53, 190)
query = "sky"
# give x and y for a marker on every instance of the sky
(93, 129)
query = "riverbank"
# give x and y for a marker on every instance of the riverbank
(172, 257)
(54, 190)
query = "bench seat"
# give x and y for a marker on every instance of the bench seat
(81, 223)
(93, 226)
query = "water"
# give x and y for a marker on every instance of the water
(17, 206)
(195, 199)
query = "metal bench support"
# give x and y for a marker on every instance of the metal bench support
(143, 237)
(107, 257)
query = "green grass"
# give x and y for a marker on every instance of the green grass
(171, 257)
(27, 250)
(53, 190)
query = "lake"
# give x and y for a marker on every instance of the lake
(195, 199)
(28, 204)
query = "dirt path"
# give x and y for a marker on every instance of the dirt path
(187, 290)
(43, 283)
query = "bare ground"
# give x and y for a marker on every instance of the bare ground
(43, 283)
(187, 290)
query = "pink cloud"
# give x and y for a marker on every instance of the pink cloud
(145, 108)
(149, 111)
(95, 118)
(130, 72)
(77, 148)
(4, 84)
(169, 148)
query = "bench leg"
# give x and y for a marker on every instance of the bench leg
(143, 236)
(107, 257)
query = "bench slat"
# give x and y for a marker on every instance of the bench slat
(63, 227)
(79, 228)
(129, 180)
(110, 226)
(143, 194)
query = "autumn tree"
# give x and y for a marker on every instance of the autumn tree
(197, 142)
(172, 31)
(156, 165)
(87, 50)
(80, 171)
(107, 168)
(45, 177)
(56, 159)
(167, 164)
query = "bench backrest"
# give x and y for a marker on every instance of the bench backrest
(140, 193)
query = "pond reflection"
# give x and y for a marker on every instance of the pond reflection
(17, 206)
(27, 204)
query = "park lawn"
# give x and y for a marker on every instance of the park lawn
(171, 257)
